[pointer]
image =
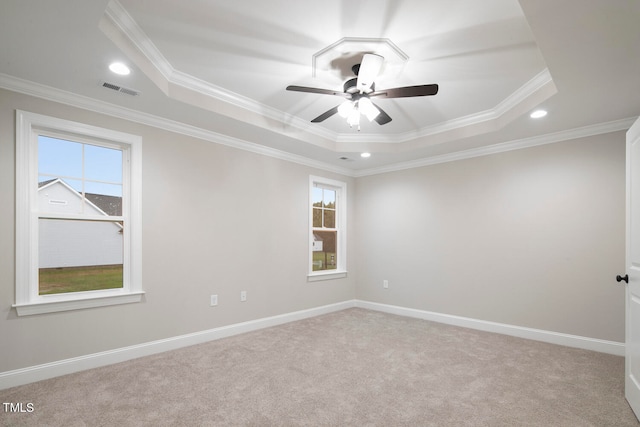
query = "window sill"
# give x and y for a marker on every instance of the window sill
(76, 304)
(316, 277)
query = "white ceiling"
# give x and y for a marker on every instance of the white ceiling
(222, 67)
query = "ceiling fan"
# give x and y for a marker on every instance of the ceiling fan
(360, 89)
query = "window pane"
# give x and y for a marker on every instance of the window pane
(324, 250)
(316, 196)
(60, 196)
(101, 204)
(329, 199)
(67, 170)
(102, 164)
(77, 256)
(329, 218)
(317, 217)
(102, 188)
(59, 158)
(79, 279)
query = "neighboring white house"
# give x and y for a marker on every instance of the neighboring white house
(76, 243)
(317, 243)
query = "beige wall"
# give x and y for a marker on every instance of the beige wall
(532, 237)
(216, 220)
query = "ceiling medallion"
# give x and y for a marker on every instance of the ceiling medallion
(337, 59)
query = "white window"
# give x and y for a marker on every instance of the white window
(78, 219)
(327, 236)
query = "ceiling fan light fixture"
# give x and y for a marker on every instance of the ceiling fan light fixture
(345, 109)
(354, 118)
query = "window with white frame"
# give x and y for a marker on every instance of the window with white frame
(327, 237)
(78, 225)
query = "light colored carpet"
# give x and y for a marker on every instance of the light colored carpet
(351, 368)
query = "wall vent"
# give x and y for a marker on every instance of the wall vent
(121, 89)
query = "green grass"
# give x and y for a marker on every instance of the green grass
(325, 258)
(78, 279)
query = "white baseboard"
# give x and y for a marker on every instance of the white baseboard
(602, 346)
(68, 366)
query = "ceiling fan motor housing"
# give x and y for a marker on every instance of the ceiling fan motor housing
(350, 86)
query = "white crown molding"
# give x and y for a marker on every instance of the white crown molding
(530, 88)
(565, 135)
(540, 86)
(119, 19)
(74, 100)
(194, 84)
(125, 32)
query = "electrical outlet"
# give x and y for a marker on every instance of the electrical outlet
(243, 296)
(214, 300)
(385, 284)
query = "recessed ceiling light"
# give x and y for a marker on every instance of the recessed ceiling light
(538, 114)
(365, 155)
(119, 68)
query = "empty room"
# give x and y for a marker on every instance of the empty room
(414, 212)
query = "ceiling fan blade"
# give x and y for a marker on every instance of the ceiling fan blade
(407, 91)
(369, 70)
(382, 118)
(317, 90)
(324, 116)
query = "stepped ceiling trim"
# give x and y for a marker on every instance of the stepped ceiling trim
(122, 29)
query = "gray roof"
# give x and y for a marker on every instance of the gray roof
(110, 205)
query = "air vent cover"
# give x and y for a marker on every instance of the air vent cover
(121, 89)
